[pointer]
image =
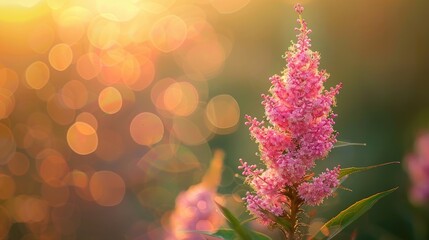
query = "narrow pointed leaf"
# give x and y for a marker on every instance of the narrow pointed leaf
(226, 234)
(339, 144)
(230, 234)
(280, 221)
(259, 236)
(347, 171)
(248, 220)
(234, 223)
(349, 215)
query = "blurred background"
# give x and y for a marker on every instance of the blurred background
(109, 109)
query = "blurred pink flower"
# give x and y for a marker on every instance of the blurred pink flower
(417, 164)
(196, 208)
(299, 131)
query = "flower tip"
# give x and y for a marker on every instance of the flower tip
(299, 8)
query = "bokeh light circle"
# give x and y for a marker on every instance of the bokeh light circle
(223, 112)
(60, 56)
(103, 33)
(53, 169)
(19, 164)
(168, 33)
(107, 188)
(88, 66)
(110, 100)
(37, 75)
(82, 138)
(74, 94)
(181, 98)
(89, 118)
(8, 79)
(146, 129)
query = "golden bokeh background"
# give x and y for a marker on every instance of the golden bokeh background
(96, 99)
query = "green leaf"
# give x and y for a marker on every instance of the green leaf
(339, 144)
(234, 223)
(349, 215)
(227, 234)
(230, 234)
(259, 236)
(248, 220)
(347, 171)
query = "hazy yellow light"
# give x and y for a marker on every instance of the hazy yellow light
(60, 56)
(88, 66)
(72, 23)
(22, 3)
(181, 98)
(228, 6)
(37, 75)
(168, 33)
(190, 132)
(170, 158)
(205, 58)
(8, 79)
(74, 94)
(223, 112)
(41, 38)
(138, 74)
(103, 33)
(7, 103)
(21, 10)
(115, 10)
(156, 6)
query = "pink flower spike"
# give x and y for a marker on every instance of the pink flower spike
(298, 132)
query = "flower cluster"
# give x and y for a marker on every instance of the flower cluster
(299, 132)
(196, 208)
(418, 169)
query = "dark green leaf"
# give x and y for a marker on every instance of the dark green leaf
(349, 215)
(347, 171)
(259, 236)
(339, 144)
(234, 223)
(226, 234)
(230, 234)
(248, 220)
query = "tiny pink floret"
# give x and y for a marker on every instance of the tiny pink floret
(299, 8)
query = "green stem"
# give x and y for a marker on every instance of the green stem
(293, 218)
